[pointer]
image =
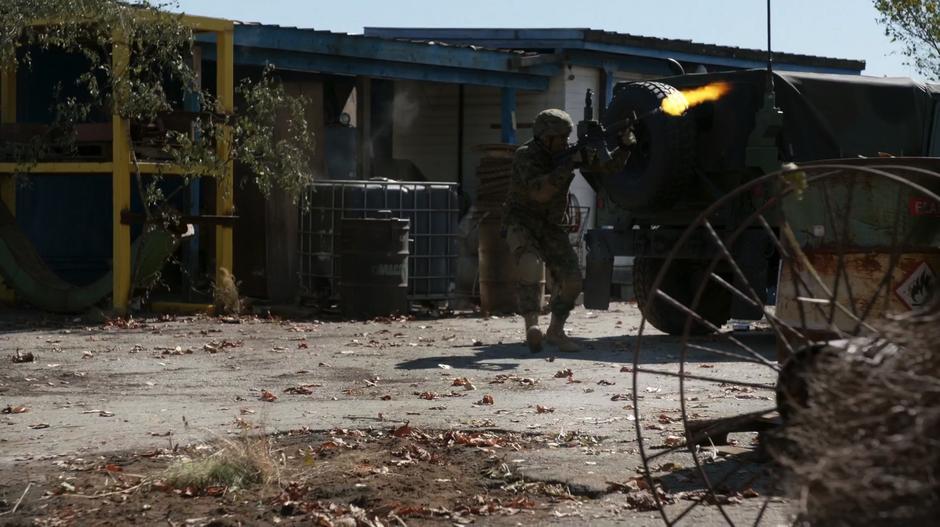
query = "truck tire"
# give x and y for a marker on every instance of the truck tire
(681, 282)
(660, 166)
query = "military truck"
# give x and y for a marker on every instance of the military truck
(683, 163)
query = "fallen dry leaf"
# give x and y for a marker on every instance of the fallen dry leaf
(403, 431)
(267, 396)
(215, 492)
(604, 382)
(487, 399)
(673, 440)
(561, 374)
(465, 382)
(14, 410)
(543, 409)
(626, 369)
(304, 389)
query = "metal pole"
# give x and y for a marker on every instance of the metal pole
(7, 181)
(225, 181)
(770, 55)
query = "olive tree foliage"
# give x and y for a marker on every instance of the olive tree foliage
(915, 24)
(159, 76)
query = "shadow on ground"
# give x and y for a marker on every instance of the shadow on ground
(654, 349)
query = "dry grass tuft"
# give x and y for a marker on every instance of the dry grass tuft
(238, 464)
(225, 294)
(865, 450)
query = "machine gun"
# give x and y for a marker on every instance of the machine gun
(593, 137)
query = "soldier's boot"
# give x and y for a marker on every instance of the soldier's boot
(556, 335)
(533, 335)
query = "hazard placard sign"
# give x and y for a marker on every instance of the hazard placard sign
(919, 286)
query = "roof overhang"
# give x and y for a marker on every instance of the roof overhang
(307, 50)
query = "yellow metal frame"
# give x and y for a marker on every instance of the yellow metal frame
(120, 167)
(7, 182)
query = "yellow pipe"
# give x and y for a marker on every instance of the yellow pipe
(8, 183)
(120, 183)
(225, 184)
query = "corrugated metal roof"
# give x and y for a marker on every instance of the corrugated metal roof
(544, 37)
(701, 48)
(422, 42)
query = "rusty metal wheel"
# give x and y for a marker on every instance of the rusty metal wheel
(857, 242)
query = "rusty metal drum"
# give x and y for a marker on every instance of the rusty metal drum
(374, 273)
(498, 270)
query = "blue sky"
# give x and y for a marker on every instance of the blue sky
(835, 28)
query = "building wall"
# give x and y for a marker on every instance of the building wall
(482, 107)
(425, 131)
(426, 117)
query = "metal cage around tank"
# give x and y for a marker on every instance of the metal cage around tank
(432, 208)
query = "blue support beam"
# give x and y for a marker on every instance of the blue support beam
(338, 65)
(608, 88)
(508, 116)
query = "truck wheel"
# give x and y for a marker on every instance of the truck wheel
(681, 282)
(660, 166)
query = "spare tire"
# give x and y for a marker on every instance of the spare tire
(660, 166)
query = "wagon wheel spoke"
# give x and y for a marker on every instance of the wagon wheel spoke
(701, 320)
(763, 509)
(706, 378)
(841, 240)
(751, 297)
(711, 492)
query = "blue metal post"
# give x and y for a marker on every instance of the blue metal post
(608, 88)
(508, 116)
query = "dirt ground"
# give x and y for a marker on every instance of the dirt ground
(430, 421)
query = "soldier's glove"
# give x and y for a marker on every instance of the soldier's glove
(627, 137)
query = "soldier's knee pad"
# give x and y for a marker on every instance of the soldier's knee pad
(529, 268)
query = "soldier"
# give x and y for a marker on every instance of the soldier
(532, 226)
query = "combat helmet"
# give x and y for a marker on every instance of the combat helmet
(552, 122)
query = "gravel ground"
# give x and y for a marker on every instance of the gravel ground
(157, 382)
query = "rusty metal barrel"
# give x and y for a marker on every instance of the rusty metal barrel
(374, 273)
(497, 269)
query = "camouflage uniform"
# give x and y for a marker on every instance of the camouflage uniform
(535, 210)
